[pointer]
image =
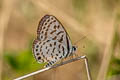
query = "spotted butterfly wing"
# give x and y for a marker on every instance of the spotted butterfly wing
(52, 42)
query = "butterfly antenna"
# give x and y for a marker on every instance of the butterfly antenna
(79, 40)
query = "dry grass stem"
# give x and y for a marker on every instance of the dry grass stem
(57, 65)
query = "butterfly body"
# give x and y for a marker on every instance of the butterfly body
(52, 43)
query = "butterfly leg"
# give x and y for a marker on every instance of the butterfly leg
(76, 55)
(71, 57)
(61, 62)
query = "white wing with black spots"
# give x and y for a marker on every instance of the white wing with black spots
(52, 42)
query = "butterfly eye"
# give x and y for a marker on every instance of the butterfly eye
(74, 48)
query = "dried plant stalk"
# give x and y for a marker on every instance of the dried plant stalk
(57, 65)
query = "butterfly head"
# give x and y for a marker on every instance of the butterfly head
(74, 48)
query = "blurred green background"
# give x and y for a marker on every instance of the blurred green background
(98, 20)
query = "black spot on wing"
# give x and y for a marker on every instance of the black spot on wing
(63, 50)
(60, 32)
(39, 58)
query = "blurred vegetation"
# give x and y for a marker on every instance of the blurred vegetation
(18, 58)
(23, 61)
(80, 7)
(114, 66)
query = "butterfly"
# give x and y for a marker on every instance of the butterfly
(52, 42)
